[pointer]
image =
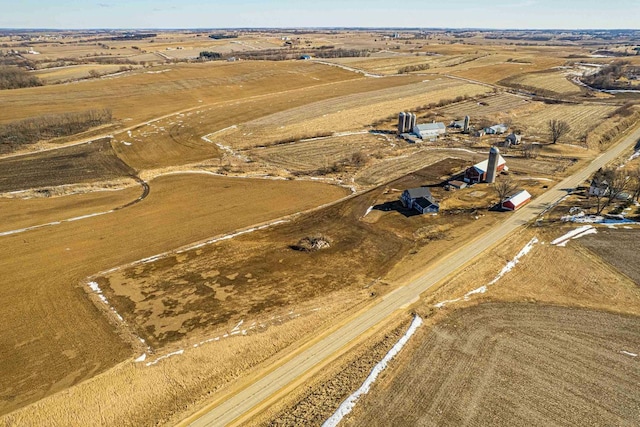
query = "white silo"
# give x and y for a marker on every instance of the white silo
(402, 122)
(492, 166)
(412, 123)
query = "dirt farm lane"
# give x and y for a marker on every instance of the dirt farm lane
(283, 377)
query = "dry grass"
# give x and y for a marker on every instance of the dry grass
(74, 72)
(67, 339)
(502, 103)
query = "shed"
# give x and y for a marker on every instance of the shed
(305, 57)
(457, 184)
(420, 199)
(516, 201)
(513, 139)
(496, 129)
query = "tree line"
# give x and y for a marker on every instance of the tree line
(32, 130)
(15, 78)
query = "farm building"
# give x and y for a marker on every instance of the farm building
(598, 187)
(419, 199)
(304, 57)
(516, 201)
(457, 185)
(496, 129)
(430, 130)
(513, 139)
(478, 172)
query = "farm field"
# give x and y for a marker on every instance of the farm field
(73, 72)
(514, 364)
(502, 103)
(178, 139)
(83, 163)
(581, 118)
(172, 88)
(618, 248)
(555, 81)
(67, 339)
(347, 113)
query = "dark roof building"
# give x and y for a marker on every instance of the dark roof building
(420, 199)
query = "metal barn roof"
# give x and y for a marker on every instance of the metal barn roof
(518, 198)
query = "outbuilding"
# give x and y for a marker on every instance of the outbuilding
(419, 199)
(496, 129)
(513, 139)
(516, 201)
(430, 130)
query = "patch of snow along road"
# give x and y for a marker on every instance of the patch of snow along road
(348, 405)
(507, 268)
(574, 234)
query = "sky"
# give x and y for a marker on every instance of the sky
(524, 14)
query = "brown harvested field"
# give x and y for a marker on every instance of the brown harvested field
(178, 139)
(73, 72)
(554, 81)
(515, 365)
(390, 65)
(309, 156)
(345, 113)
(581, 118)
(171, 87)
(493, 68)
(487, 106)
(67, 339)
(618, 248)
(17, 213)
(82, 163)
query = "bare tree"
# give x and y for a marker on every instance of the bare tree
(504, 187)
(634, 183)
(530, 151)
(607, 185)
(558, 129)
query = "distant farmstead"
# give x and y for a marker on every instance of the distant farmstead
(516, 201)
(419, 199)
(496, 129)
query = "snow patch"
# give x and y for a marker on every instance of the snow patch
(574, 234)
(628, 353)
(369, 209)
(141, 358)
(166, 356)
(507, 268)
(347, 406)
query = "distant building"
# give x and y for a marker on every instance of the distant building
(513, 139)
(457, 185)
(419, 199)
(599, 187)
(496, 129)
(516, 201)
(304, 57)
(429, 130)
(478, 172)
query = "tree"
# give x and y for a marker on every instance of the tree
(558, 129)
(530, 151)
(609, 183)
(634, 183)
(504, 187)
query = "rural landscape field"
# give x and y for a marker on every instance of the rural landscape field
(275, 227)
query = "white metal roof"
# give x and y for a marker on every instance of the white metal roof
(519, 198)
(439, 126)
(484, 165)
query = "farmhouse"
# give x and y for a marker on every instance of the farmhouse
(516, 201)
(496, 129)
(419, 199)
(430, 130)
(599, 187)
(478, 172)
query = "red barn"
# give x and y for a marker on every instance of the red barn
(516, 201)
(478, 172)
